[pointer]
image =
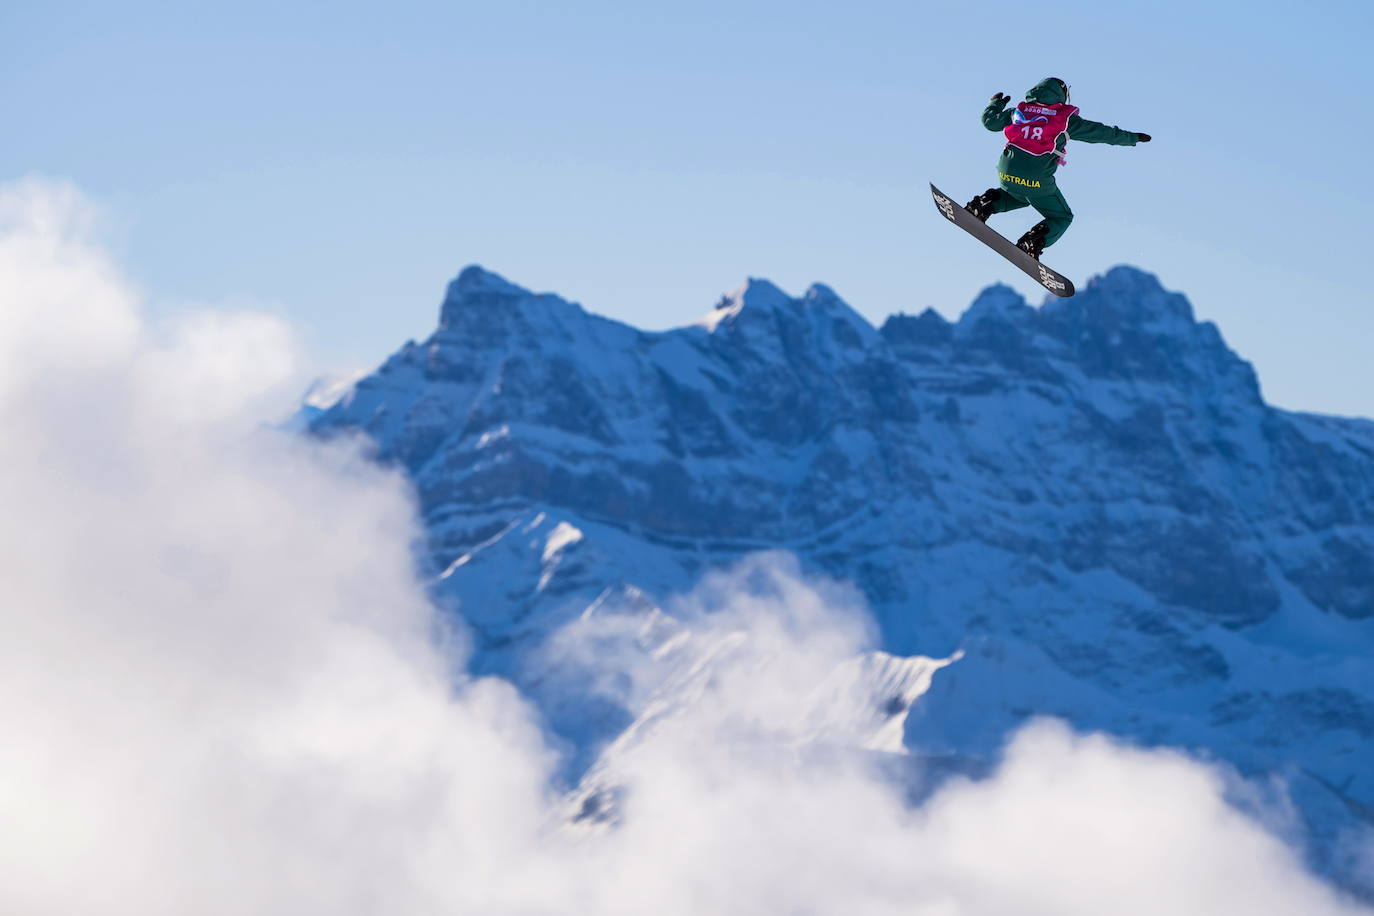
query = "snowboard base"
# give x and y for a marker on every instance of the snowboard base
(1051, 280)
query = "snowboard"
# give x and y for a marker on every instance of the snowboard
(1054, 282)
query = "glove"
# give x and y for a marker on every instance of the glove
(1142, 138)
(1001, 99)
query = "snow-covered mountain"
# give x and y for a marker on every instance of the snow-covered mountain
(1083, 510)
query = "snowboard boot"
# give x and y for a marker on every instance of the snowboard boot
(1033, 242)
(981, 206)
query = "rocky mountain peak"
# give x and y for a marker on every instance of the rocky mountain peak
(475, 281)
(481, 302)
(760, 297)
(998, 303)
(1125, 324)
(819, 324)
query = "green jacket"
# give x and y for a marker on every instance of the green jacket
(1030, 169)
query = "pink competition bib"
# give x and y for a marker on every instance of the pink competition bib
(1034, 127)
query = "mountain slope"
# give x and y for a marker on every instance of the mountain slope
(1089, 499)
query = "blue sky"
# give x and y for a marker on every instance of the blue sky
(338, 163)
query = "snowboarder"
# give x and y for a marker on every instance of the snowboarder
(1037, 132)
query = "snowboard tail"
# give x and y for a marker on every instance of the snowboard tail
(1051, 280)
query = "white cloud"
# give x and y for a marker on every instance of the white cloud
(223, 690)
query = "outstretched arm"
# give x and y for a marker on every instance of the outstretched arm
(995, 117)
(1097, 132)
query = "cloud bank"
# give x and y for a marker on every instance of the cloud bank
(224, 691)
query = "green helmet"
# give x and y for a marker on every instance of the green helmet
(1049, 91)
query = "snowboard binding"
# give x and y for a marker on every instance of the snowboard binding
(1033, 242)
(981, 207)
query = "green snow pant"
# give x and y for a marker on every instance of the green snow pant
(1051, 206)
